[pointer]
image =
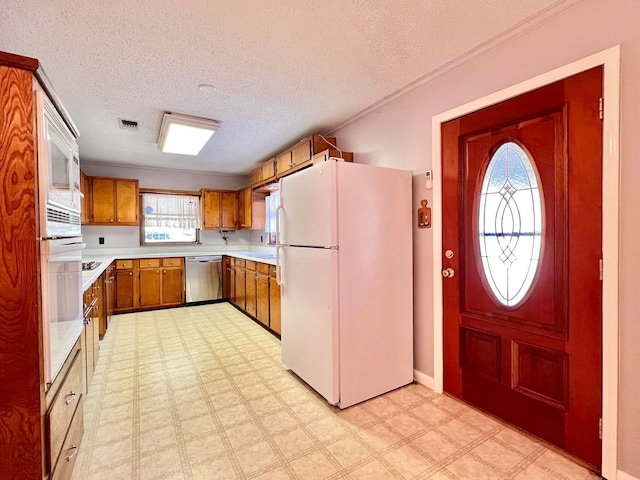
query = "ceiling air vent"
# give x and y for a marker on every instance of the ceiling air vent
(130, 125)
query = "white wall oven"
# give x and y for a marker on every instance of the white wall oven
(60, 242)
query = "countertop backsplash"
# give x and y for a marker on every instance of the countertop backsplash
(129, 237)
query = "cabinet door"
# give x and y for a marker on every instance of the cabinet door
(256, 175)
(269, 169)
(127, 202)
(274, 304)
(262, 307)
(301, 153)
(240, 287)
(211, 213)
(226, 276)
(89, 345)
(283, 162)
(245, 208)
(103, 200)
(85, 203)
(124, 290)
(150, 287)
(94, 331)
(172, 286)
(250, 293)
(229, 209)
(232, 285)
(101, 312)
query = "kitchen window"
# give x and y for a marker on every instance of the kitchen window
(272, 202)
(170, 218)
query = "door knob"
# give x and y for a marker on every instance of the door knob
(448, 272)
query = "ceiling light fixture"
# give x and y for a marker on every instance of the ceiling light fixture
(185, 134)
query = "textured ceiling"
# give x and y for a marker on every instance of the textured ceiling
(282, 68)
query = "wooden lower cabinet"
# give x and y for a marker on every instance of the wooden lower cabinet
(240, 283)
(127, 297)
(148, 283)
(172, 281)
(274, 302)
(262, 294)
(252, 287)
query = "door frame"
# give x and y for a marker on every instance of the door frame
(610, 60)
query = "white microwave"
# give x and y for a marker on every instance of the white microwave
(58, 172)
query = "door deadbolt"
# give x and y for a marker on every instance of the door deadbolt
(448, 272)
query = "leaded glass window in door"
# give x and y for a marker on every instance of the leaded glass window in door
(510, 224)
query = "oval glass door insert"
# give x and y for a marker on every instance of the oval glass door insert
(510, 224)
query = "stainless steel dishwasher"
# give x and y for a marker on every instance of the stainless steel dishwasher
(203, 278)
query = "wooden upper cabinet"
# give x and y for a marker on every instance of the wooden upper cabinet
(218, 209)
(127, 202)
(85, 203)
(299, 155)
(229, 201)
(114, 201)
(264, 173)
(211, 217)
(283, 162)
(252, 211)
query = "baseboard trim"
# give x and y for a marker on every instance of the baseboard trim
(423, 379)
(625, 476)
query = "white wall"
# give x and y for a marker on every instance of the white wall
(398, 135)
(118, 237)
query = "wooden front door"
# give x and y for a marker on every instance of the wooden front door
(522, 228)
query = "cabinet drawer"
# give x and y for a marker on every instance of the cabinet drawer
(70, 449)
(124, 264)
(149, 262)
(172, 262)
(240, 262)
(250, 265)
(272, 271)
(64, 406)
(263, 268)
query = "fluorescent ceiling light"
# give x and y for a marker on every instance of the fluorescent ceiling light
(185, 134)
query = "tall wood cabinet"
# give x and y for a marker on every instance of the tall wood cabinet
(114, 201)
(252, 213)
(28, 412)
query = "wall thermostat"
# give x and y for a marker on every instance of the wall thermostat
(428, 182)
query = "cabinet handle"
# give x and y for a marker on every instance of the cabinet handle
(130, 273)
(119, 220)
(157, 271)
(164, 271)
(70, 398)
(75, 448)
(111, 220)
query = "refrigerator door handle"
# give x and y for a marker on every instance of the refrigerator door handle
(279, 267)
(278, 210)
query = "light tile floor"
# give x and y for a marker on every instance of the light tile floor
(200, 393)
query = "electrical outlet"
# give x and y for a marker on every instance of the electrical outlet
(100, 240)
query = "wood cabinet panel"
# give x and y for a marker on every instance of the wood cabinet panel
(269, 170)
(250, 291)
(211, 209)
(283, 162)
(124, 264)
(149, 263)
(172, 262)
(150, 293)
(262, 294)
(301, 152)
(240, 299)
(274, 302)
(103, 200)
(219, 209)
(256, 175)
(109, 297)
(85, 203)
(127, 202)
(229, 209)
(126, 287)
(173, 286)
(226, 277)
(71, 447)
(64, 406)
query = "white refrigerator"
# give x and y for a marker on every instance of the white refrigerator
(344, 263)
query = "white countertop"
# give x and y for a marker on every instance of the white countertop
(107, 255)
